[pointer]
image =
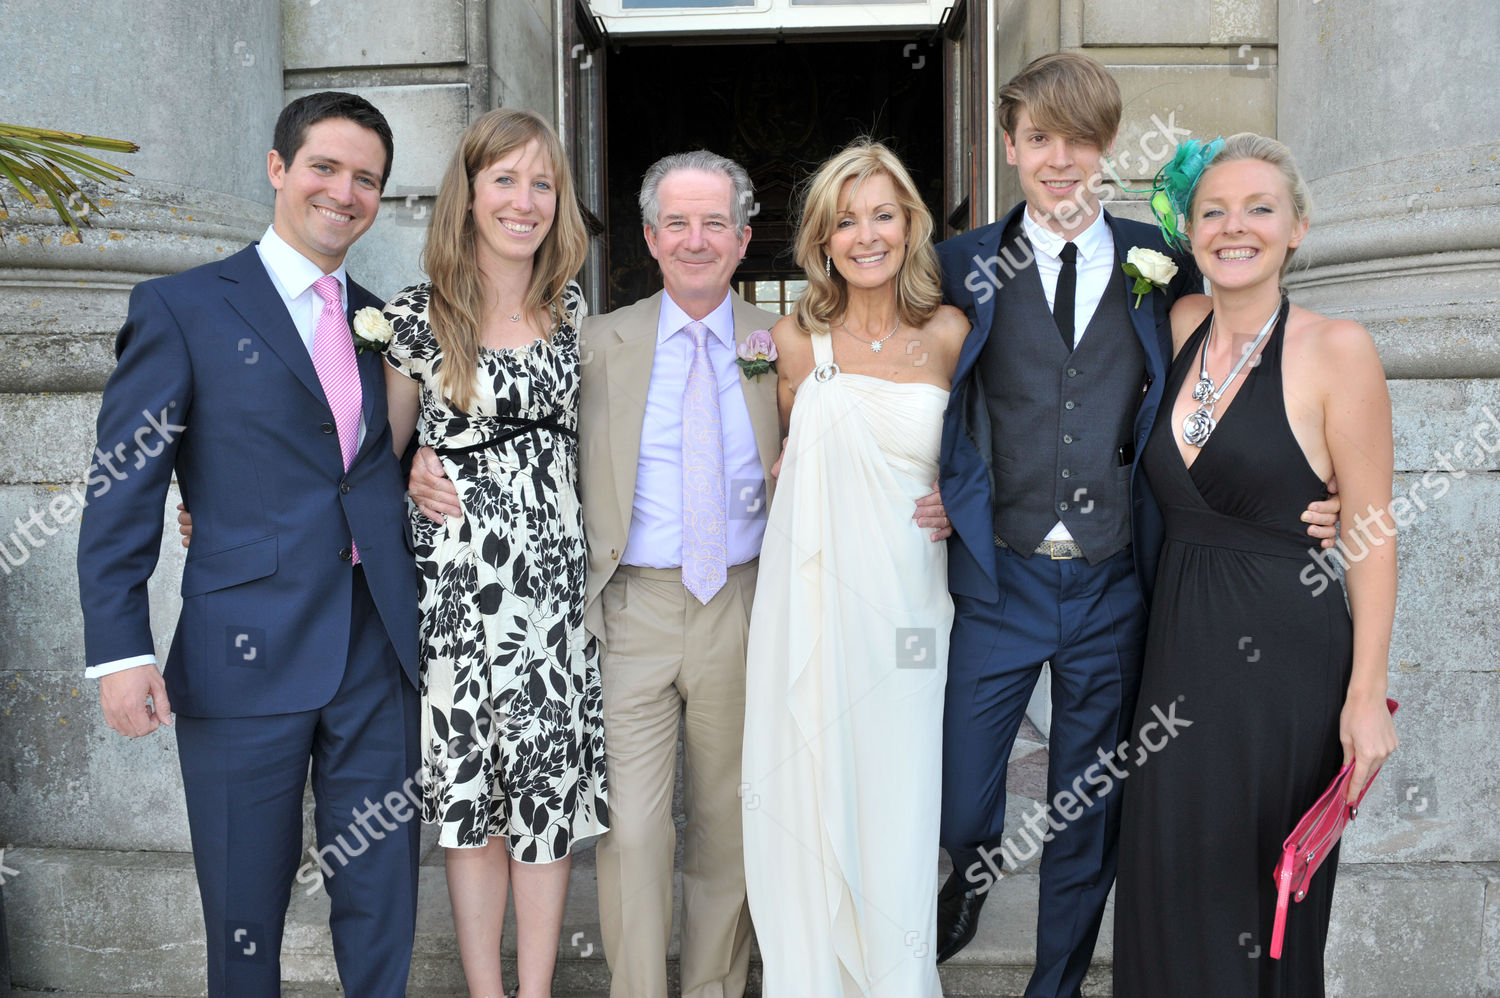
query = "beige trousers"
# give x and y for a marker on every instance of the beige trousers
(668, 656)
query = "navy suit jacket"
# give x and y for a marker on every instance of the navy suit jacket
(214, 383)
(971, 271)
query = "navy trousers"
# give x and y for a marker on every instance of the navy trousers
(244, 777)
(1089, 621)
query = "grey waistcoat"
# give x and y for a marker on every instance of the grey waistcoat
(1061, 423)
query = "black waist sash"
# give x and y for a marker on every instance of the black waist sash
(519, 427)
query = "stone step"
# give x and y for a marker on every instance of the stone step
(94, 922)
(128, 924)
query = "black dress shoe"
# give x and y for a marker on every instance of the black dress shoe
(958, 915)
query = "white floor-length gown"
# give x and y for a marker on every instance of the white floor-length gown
(844, 696)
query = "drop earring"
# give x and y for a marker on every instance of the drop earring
(828, 265)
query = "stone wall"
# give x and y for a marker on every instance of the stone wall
(102, 897)
(1401, 146)
(1402, 151)
(1397, 133)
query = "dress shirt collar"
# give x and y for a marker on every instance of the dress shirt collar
(1090, 241)
(293, 271)
(720, 321)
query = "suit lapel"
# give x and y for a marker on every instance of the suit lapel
(989, 247)
(760, 392)
(256, 300)
(371, 366)
(1143, 319)
(627, 368)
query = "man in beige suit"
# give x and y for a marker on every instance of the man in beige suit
(666, 652)
(660, 380)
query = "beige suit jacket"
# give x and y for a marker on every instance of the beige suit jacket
(615, 353)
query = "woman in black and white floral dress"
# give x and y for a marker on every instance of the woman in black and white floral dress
(484, 366)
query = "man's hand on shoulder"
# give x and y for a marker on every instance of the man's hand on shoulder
(135, 700)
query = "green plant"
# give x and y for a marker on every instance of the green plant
(42, 158)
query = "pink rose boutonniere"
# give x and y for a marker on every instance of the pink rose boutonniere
(757, 354)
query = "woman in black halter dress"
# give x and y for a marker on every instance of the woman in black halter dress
(1250, 644)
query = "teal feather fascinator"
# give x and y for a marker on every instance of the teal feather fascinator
(1174, 186)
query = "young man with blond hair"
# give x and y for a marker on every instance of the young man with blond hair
(1056, 534)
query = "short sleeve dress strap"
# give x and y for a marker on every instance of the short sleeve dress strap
(823, 365)
(413, 349)
(575, 309)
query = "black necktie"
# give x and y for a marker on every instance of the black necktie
(1067, 286)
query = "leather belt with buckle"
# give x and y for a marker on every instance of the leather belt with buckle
(1056, 550)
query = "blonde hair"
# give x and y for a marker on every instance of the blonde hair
(456, 306)
(1248, 145)
(918, 292)
(1066, 93)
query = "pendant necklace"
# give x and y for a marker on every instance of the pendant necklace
(874, 344)
(1199, 425)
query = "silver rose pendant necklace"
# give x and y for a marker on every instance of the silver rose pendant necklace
(1199, 425)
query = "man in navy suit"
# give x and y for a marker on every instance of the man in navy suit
(298, 634)
(1057, 533)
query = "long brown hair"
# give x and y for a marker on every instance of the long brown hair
(456, 306)
(918, 292)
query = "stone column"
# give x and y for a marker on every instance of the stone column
(1390, 110)
(197, 86)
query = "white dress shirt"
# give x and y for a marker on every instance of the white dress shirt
(655, 538)
(293, 276)
(1096, 265)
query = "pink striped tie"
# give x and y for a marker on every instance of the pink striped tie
(338, 370)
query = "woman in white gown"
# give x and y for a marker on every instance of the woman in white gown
(849, 632)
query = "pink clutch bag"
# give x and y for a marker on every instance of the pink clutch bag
(1312, 840)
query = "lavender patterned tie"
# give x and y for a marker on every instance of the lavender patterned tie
(705, 529)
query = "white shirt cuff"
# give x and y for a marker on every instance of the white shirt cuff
(118, 665)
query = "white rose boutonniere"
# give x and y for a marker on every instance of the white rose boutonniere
(372, 330)
(1150, 270)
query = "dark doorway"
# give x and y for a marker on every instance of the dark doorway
(779, 109)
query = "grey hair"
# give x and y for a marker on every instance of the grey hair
(741, 189)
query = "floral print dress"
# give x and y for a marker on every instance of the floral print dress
(512, 729)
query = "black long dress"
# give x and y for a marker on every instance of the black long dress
(1251, 643)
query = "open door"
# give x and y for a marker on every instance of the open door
(966, 127)
(581, 124)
